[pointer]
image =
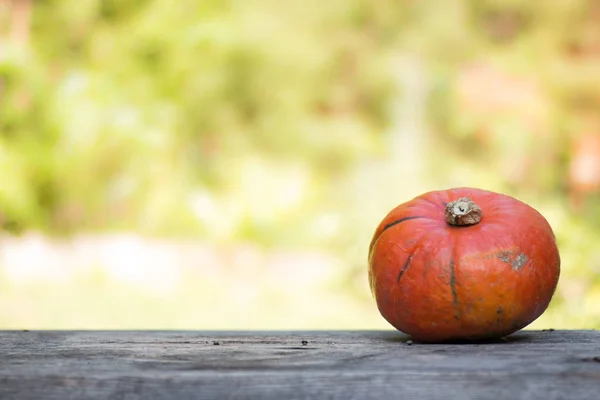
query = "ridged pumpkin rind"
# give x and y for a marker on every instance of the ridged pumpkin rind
(438, 282)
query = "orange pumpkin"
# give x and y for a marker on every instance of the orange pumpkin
(463, 264)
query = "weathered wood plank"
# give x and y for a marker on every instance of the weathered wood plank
(294, 365)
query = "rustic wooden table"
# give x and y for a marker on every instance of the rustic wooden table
(295, 365)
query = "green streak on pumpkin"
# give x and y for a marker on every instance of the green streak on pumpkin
(389, 226)
(453, 289)
(404, 267)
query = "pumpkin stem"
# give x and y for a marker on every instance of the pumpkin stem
(462, 212)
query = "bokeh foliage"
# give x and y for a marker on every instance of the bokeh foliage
(298, 123)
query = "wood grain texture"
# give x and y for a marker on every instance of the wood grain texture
(295, 365)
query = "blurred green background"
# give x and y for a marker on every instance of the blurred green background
(223, 164)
